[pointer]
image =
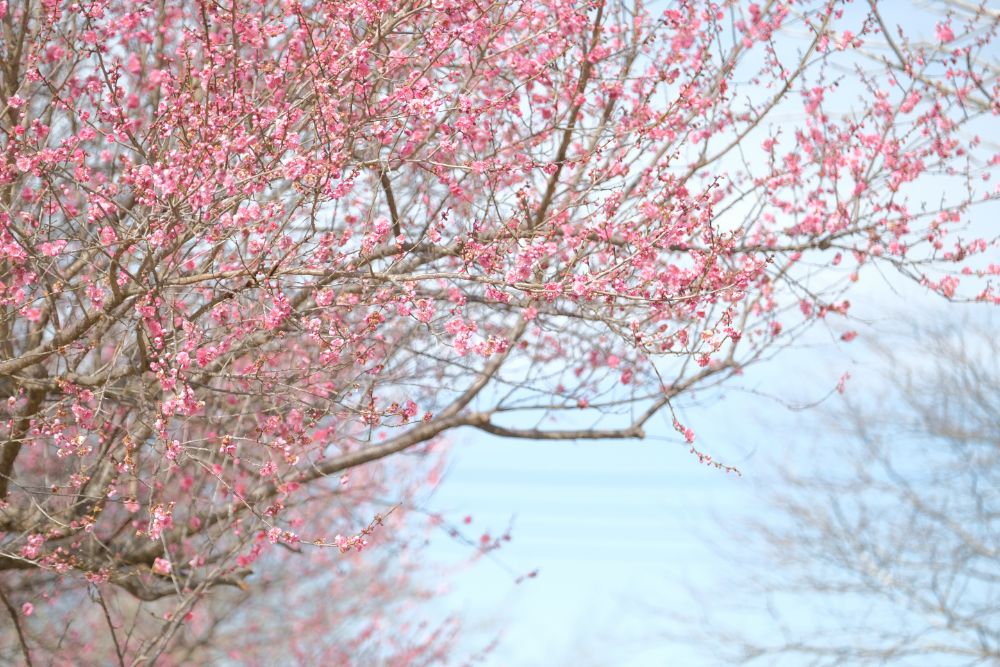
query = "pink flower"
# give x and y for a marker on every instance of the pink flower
(27, 609)
(33, 547)
(944, 33)
(688, 433)
(162, 566)
(948, 285)
(134, 64)
(160, 519)
(53, 248)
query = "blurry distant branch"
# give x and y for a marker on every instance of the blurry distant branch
(894, 558)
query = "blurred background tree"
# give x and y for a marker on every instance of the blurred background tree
(885, 547)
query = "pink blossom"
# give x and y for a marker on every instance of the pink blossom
(160, 519)
(944, 33)
(52, 248)
(33, 548)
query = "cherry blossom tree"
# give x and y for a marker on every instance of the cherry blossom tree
(251, 247)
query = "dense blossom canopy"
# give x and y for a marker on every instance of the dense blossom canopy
(247, 246)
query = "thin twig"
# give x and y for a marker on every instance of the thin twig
(111, 629)
(17, 626)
